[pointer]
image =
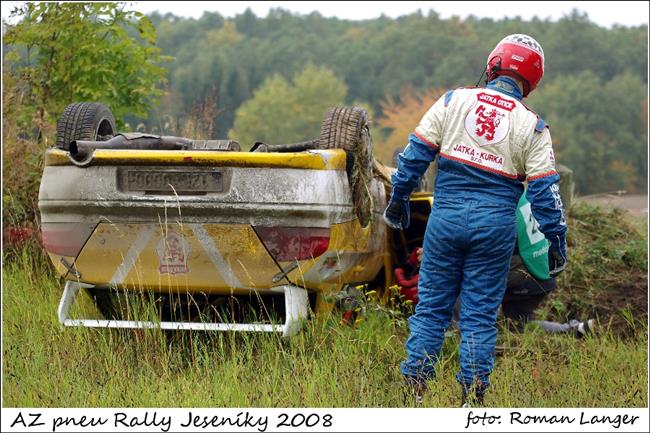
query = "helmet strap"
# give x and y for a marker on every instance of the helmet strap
(480, 78)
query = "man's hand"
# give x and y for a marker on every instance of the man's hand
(557, 259)
(397, 214)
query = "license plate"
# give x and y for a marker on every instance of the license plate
(170, 182)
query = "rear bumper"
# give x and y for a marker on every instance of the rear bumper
(296, 308)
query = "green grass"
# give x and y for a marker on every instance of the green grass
(327, 365)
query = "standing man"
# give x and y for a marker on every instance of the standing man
(488, 142)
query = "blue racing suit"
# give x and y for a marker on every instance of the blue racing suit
(488, 143)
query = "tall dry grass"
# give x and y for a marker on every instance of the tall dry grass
(326, 365)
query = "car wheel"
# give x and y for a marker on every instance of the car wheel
(348, 128)
(88, 121)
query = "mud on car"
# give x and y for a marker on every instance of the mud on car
(215, 237)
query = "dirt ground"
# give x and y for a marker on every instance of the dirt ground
(636, 204)
(631, 292)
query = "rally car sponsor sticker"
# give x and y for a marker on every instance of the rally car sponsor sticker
(172, 251)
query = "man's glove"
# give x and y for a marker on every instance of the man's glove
(557, 260)
(397, 214)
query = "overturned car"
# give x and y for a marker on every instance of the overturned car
(215, 237)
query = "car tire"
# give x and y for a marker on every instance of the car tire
(348, 128)
(88, 121)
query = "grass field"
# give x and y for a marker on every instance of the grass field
(327, 365)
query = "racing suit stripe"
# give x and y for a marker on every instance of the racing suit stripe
(434, 145)
(448, 96)
(541, 175)
(482, 167)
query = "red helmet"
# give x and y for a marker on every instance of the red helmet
(518, 56)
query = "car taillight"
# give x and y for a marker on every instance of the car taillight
(294, 243)
(66, 239)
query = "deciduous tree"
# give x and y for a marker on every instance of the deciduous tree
(67, 52)
(400, 117)
(284, 112)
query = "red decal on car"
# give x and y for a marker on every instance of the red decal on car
(172, 251)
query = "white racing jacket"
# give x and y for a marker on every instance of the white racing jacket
(489, 130)
(489, 142)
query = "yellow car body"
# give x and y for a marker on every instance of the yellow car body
(103, 230)
(216, 230)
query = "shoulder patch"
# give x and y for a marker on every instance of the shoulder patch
(448, 96)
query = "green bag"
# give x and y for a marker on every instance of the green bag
(532, 244)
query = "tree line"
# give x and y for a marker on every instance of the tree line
(272, 78)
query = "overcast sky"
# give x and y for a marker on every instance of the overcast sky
(603, 13)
